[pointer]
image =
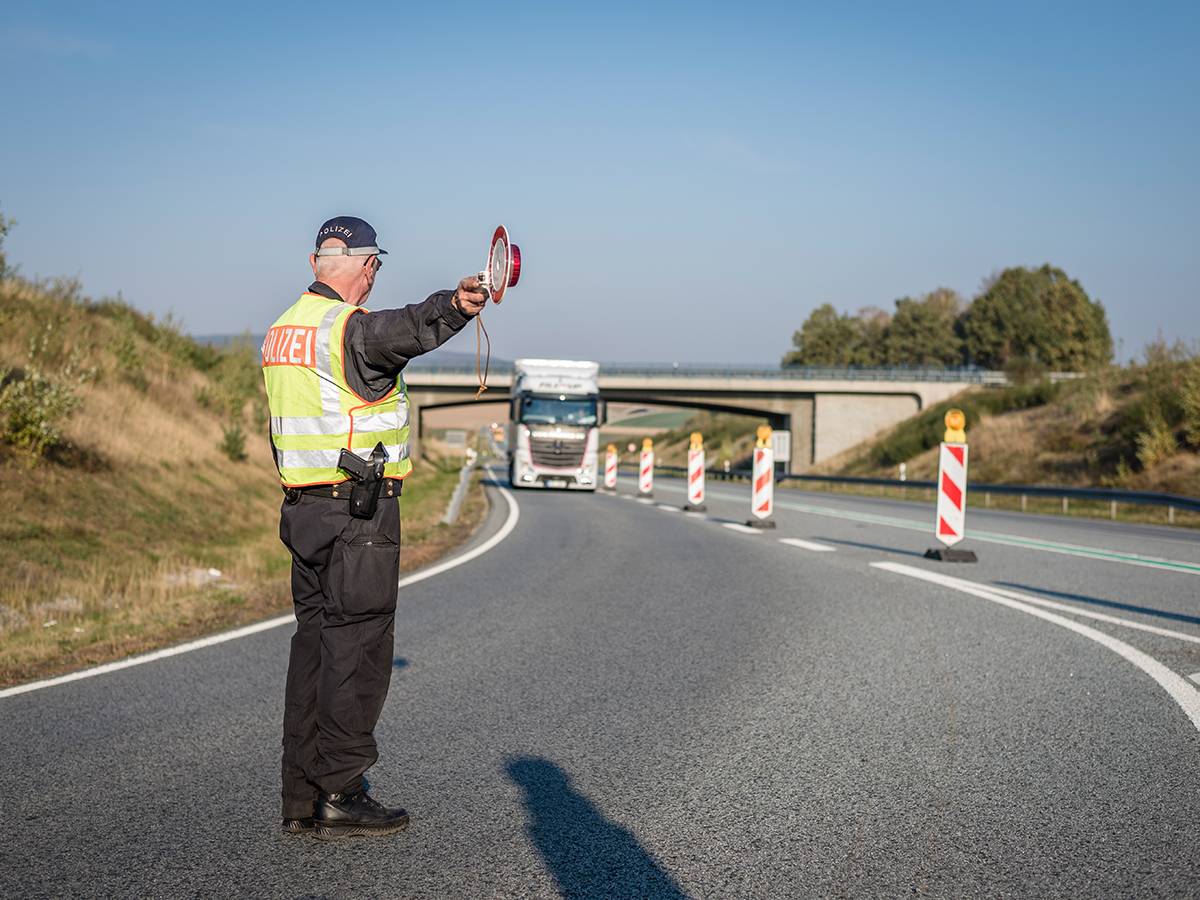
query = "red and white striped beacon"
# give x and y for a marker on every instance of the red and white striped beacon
(610, 468)
(762, 497)
(646, 469)
(695, 474)
(951, 524)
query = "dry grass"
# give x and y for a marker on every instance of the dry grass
(55, 619)
(107, 542)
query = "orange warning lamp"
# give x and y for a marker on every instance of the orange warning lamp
(611, 448)
(956, 424)
(647, 444)
(764, 436)
(697, 441)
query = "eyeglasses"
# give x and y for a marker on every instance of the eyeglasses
(378, 262)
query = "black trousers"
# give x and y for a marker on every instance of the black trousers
(344, 585)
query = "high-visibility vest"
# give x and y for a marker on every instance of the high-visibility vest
(314, 412)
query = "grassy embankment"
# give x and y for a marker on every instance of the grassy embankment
(1128, 427)
(134, 467)
(1135, 427)
(727, 438)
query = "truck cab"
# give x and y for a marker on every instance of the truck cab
(556, 414)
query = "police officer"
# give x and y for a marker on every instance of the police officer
(333, 379)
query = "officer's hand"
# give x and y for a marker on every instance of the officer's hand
(470, 298)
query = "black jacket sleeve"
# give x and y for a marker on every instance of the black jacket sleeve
(377, 345)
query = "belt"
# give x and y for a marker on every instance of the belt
(340, 491)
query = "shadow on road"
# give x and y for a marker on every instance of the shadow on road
(589, 856)
(896, 550)
(1096, 601)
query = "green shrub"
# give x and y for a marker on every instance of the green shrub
(128, 351)
(1189, 397)
(1157, 442)
(235, 379)
(1021, 370)
(33, 408)
(5, 226)
(234, 444)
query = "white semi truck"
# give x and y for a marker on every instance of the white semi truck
(556, 414)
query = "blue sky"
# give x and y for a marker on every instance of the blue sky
(686, 181)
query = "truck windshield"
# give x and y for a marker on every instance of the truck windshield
(552, 411)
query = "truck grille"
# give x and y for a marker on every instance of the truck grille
(557, 454)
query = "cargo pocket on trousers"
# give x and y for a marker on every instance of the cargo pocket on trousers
(370, 574)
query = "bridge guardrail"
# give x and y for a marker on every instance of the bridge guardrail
(766, 372)
(959, 375)
(1109, 495)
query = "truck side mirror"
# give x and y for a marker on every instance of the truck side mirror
(601, 412)
(516, 409)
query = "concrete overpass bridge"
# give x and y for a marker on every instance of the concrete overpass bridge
(825, 410)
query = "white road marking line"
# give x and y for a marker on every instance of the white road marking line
(1195, 677)
(1178, 687)
(149, 657)
(744, 529)
(665, 508)
(1102, 617)
(992, 537)
(643, 499)
(808, 545)
(1012, 540)
(514, 513)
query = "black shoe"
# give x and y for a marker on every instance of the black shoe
(346, 815)
(298, 826)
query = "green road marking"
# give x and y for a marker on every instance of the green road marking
(1132, 559)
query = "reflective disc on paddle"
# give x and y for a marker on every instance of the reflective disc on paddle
(504, 265)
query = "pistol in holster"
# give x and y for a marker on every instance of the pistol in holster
(367, 476)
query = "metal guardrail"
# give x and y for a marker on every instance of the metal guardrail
(965, 375)
(953, 374)
(460, 490)
(1103, 495)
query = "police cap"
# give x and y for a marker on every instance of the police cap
(358, 236)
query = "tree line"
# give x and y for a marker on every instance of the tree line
(1023, 320)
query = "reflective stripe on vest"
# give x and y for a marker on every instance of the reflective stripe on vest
(314, 412)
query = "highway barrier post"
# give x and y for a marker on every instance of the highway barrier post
(610, 468)
(695, 475)
(951, 515)
(646, 470)
(762, 481)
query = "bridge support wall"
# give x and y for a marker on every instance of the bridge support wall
(824, 417)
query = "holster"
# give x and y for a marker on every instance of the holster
(367, 476)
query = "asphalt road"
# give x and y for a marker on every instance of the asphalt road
(619, 700)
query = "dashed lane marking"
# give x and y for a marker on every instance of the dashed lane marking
(992, 537)
(808, 545)
(744, 529)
